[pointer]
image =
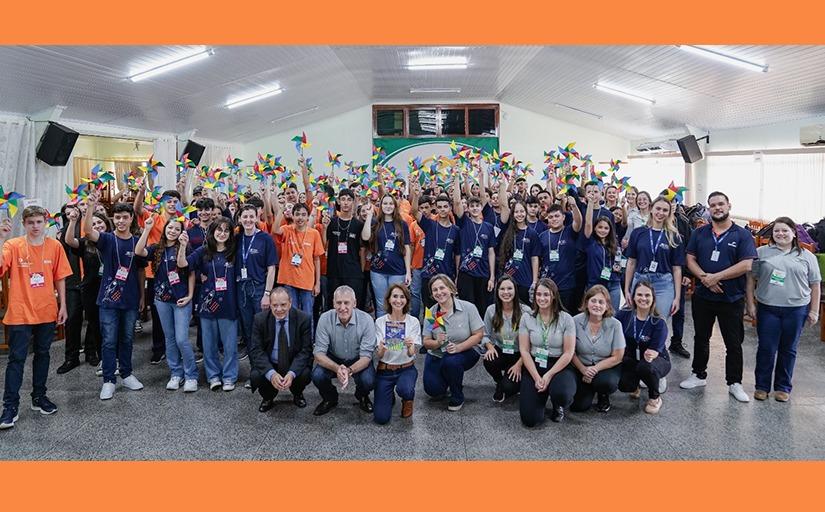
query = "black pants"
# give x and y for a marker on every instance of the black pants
(730, 316)
(561, 391)
(606, 382)
(268, 392)
(568, 301)
(158, 339)
(93, 339)
(678, 320)
(523, 295)
(426, 295)
(497, 368)
(356, 282)
(474, 289)
(650, 373)
(74, 323)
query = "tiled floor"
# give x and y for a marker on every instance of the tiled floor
(159, 424)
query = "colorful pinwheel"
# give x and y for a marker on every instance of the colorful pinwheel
(8, 201)
(301, 143)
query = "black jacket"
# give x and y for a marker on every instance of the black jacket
(263, 341)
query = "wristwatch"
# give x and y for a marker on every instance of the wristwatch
(267, 293)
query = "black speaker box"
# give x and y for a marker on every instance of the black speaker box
(689, 149)
(194, 150)
(56, 144)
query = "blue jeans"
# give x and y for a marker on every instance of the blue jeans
(615, 290)
(19, 336)
(179, 354)
(302, 300)
(380, 284)
(663, 290)
(448, 372)
(117, 328)
(250, 294)
(415, 291)
(217, 330)
(387, 382)
(322, 378)
(778, 330)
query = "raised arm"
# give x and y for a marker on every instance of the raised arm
(366, 232)
(68, 236)
(140, 248)
(91, 234)
(504, 200)
(458, 209)
(577, 214)
(588, 220)
(138, 202)
(305, 177)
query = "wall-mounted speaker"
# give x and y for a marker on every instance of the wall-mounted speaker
(56, 144)
(194, 150)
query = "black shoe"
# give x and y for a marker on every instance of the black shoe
(242, 353)
(557, 415)
(8, 418)
(677, 348)
(198, 357)
(365, 404)
(603, 404)
(266, 404)
(498, 396)
(44, 405)
(68, 366)
(157, 358)
(324, 407)
(299, 400)
(93, 360)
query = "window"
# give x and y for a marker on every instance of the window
(389, 122)
(423, 122)
(654, 174)
(477, 120)
(452, 121)
(483, 121)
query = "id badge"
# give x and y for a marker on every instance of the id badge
(518, 255)
(122, 273)
(554, 255)
(653, 266)
(541, 357)
(778, 277)
(389, 245)
(508, 346)
(605, 273)
(477, 251)
(296, 260)
(496, 230)
(342, 247)
(623, 263)
(714, 256)
(220, 284)
(37, 280)
(100, 271)
(439, 254)
(174, 278)
(244, 274)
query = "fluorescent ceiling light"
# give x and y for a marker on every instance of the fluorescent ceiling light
(295, 114)
(425, 63)
(568, 107)
(712, 53)
(624, 94)
(169, 65)
(434, 90)
(256, 96)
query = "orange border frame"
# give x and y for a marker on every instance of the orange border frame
(400, 486)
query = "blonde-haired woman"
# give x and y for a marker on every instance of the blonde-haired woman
(656, 254)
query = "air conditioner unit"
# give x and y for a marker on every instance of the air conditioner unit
(813, 135)
(661, 146)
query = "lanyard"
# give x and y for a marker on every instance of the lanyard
(604, 256)
(166, 259)
(386, 236)
(523, 236)
(117, 252)
(300, 245)
(449, 232)
(215, 272)
(42, 260)
(654, 248)
(244, 250)
(717, 241)
(477, 230)
(641, 331)
(545, 332)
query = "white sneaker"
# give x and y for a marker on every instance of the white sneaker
(214, 385)
(108, 391)
(174, 383)
(662, 385)
(132, 383)
(190, 385)
(693, 382)
(228, 386)
(738, 392)
(642, 384)
(99, 369)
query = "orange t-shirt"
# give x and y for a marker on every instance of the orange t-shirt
(416, 241)
(33, 305)
(155, 234)
(309, 246)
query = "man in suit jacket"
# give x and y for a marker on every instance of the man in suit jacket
(280, 351)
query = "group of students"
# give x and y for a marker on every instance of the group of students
(294, 288)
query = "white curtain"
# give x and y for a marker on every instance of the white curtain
(654, 174)
(165, 149)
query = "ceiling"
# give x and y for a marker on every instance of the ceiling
(689, 90)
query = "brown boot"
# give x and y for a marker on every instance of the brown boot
(406, 408)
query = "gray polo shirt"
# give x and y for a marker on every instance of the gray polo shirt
(593, 349)
(459, 325)
(562, 327)
(355, 340)
(506, 332)
(785, 279)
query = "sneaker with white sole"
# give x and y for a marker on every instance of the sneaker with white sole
(174, 383)
(738, 392)
(693, 382)
(190, 385)
(662, 385)
(99, 369)
(228, 386)
(8, 418)
(107, 391)
(642, 384)
(214, 385)
(132, 383)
